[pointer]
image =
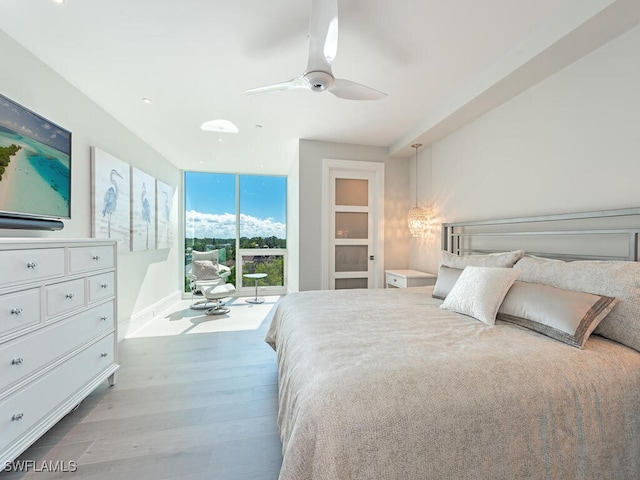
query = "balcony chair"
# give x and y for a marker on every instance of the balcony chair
(208, 279)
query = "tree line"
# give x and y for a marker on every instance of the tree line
(5, 157)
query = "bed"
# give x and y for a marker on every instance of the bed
(384, 384)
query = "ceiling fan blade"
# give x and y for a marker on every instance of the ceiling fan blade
(323, 45)
(292, 84)
(354, 91)
(323, 35)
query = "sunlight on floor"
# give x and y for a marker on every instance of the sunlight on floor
(182, 320)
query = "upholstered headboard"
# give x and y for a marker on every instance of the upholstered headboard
(598, 235)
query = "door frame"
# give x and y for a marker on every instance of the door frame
(330, 166)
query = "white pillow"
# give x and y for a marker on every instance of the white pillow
(479, 292)
(502, 259)
(205, 270)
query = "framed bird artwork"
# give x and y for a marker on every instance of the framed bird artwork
(143, 210)
(164, 214)
(110, 198)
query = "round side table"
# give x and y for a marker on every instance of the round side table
(256, 277)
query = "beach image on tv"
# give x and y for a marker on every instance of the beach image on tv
(35, 163)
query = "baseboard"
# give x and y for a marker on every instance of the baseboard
(147, 314)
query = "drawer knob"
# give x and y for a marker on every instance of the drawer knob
(16, 311)
(103, 318)
(17, 361)
(104, 285)
(96, 257)
(70, 295)
(33, 265)
(17, 416)
(104, 355)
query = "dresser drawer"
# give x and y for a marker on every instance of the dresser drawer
(101, 286)
(64, 297)
(396, 281)
(19, 310)
(31, 265)
(85, 259)
(24, 409)
(409, 278)
(23, 356)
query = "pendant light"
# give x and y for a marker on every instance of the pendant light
(418, 218)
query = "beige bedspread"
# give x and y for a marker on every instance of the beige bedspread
(381, 384)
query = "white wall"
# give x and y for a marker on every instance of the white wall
(145, 279)
(569, 144)
(293, 226)
(396, 204)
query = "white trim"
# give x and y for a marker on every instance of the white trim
(377, 168)
(147, 314)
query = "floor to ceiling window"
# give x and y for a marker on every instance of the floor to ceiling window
(244, 218)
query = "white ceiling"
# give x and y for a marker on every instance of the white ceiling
(441, 62)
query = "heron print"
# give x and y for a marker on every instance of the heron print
(111, 212)
(143, 210)
(165, 225)
(110, 203)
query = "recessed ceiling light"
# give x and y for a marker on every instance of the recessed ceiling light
(146, 100)
(220, 140)
(219, 125)
(60, 2)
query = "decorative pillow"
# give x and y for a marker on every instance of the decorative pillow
(447, 278)
(205, 270)
(479, 292)
(565, 315)
(503, 259)
(613, 279)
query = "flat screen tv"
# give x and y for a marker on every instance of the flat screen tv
(35, 167)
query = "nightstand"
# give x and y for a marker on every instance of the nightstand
(408, 278)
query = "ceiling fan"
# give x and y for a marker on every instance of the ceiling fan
(323, 45)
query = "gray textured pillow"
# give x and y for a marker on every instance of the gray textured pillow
(479, 292)
(565, 315)
(205, 270)
(503, 259)
(613, 279)
(447, 278)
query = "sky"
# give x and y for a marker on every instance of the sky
(26, 123)
(210, 205)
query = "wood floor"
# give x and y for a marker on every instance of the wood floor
(188, 407)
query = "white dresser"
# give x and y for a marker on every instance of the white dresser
(57, 332)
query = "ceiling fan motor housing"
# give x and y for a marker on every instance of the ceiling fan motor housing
(318, 81)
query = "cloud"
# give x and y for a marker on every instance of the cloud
(201, 225)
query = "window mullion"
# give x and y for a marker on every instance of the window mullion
(238, 256)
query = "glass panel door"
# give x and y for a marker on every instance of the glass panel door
(244, 218)
(210, 218)
(263, 233)
(350, 265)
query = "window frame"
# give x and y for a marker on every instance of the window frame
(244, 286)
